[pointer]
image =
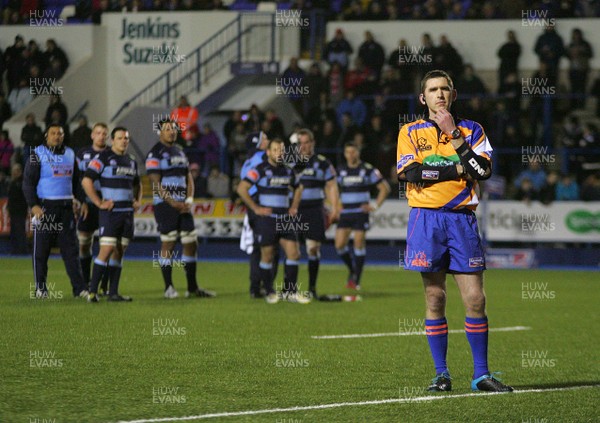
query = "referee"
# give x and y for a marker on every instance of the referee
(51, 179)
(442, 158)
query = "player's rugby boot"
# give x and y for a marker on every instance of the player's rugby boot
(200, 292)
(489, 383)
(441, 383)
(119, 298)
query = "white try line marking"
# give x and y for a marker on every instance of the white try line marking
(410, 333)
(352, 404)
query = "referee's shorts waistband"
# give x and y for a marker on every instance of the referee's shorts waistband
(447, 210)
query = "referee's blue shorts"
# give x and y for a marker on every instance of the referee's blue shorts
(441, 239)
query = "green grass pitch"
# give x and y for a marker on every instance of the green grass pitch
(63, 360)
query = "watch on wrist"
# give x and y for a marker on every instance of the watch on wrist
(455, 134)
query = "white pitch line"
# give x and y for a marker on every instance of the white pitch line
(377, 335)
(351, 404)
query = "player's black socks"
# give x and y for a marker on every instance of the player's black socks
(359, 259)
(99, 268)
(291, 276)
(313, 271)
(266, 274)
(275, 263)
(86, 266)
(114, 270)
(344, 254)
(255, 270)
(104, 283)
(166, 268)
(190, 272)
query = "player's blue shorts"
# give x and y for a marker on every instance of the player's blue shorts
(355, 221)
(90, 224)
(312, 223)
(269, 230)
(169, 219)
(440, 239)
(116, 224)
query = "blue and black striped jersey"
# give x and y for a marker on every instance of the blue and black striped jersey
(355, 185)
(313, 175)
(273, 184)
(171, 163)
(118, 174)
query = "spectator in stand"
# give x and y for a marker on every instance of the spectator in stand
(185, 116)
(447, 58)
(277, 130)
(218, 183)
(509, 54)
(457, 12)
(57, 105)
(54, 71)
(511, 88)
(255, 118)
(572, 131)
(316, 84)
(579, 53)
(293, 79)
(6, 151)
(353, 107)
(355, 12)
(590, 189)
(81, 135)
(469, 83)
(374, 137)
(548, 192)
(335, 81)
(327, 139)
(567, 189)
(236, 149)
(31, 135)
(12, 57)
(550, 48)
(20, 96)
(526, 191)
(17, 211)
(210, 147)
(535, 174)
(385, 158)
(36, 57)
(338, 50)
(199, 181)
(361, 79)
(372, 54)
(5, 111)
(391, 11)
(427, 55)
(376, 12)
(104, 7)
(231, 123)
(4, 184)
(542, 81)
(54, 52)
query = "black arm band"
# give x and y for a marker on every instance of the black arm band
(431, 174)
(475, 165)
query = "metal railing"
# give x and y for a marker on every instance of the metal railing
(236, 41)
